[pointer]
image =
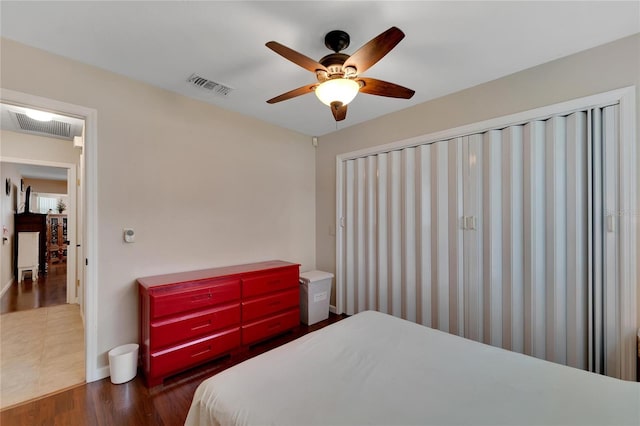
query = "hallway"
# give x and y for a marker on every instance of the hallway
(41, 352)
(42, 349)
(49, 290)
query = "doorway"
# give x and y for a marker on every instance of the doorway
(87, 270)
(52, 205)
(43, 332)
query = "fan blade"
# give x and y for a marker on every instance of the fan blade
(339, 111)
(374, 50)
(295, 57)
(374, 86)
(293, 93)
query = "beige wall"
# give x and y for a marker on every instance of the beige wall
(597, 70)
(47, 186)
(8, 206)
(34, 147)
(201, 186)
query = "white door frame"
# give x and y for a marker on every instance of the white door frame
(72, 234)
(90, 213)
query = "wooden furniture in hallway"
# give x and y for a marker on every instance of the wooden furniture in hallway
(28, 254)
(56, 239)
(31, 222)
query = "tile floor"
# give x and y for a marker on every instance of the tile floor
(41, 352)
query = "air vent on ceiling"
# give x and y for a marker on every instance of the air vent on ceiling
(53, 127)
(212, 86)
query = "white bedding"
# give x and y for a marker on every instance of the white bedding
(373, 368)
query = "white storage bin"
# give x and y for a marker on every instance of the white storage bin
(315, 292)
(123, 363)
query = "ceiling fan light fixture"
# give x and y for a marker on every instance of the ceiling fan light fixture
(341, 90)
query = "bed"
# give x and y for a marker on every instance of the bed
(373, 368)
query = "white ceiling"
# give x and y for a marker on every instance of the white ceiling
(449, 46)
(41, 172)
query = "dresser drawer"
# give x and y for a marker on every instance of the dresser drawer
(265, 305)
(179, 357)
(188, 326)
(196, 295)
(271, 326)
(268, 283)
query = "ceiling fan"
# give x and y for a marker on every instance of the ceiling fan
(339, 75)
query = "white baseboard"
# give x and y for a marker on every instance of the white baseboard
(99, 374)
(332, 309)
(104, 372)
(6, 287)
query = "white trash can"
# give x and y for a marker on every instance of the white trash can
(123, 363)
(315, 292)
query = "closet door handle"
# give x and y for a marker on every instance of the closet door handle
(611, 223)
(469, 223)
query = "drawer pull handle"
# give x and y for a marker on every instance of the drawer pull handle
(274, 303)
(208, 349)
(273, 282)
(204, 325)
(200, 297)
(273, 326)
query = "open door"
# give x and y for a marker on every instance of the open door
(72, 241)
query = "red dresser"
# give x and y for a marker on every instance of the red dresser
(192, 317)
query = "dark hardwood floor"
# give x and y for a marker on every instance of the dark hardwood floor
(132, 403)
(47, 290)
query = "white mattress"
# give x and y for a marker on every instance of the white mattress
(376, 369)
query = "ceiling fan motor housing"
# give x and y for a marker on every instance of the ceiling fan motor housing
(333, 63)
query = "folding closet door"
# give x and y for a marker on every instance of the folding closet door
(511, 237)
(606, 335)
(525, 249)
(610, 294)
(447, 241)
(577, 235)
(506, 186)
(433, 237)
(481, 236)
(471, 223)
(402, 237)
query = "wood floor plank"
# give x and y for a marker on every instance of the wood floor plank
(47, 290)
